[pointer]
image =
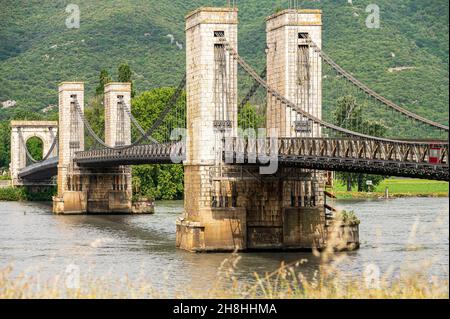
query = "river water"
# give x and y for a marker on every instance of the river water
(394, 233)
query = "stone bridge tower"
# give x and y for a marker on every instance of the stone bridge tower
(21, 132)
(294, 69)
(229, 207)
(211, 86)
(71, 197)
(94, 190)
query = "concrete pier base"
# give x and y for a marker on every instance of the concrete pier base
(118, 203)
(343, 237)
(234, 210)
(221, 230)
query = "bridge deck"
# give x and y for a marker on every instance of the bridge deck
(400, 158)
(41, 171)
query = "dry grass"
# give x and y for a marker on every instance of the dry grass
(287, 282)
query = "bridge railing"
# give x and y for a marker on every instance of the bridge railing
(139, 153)
(418, 153)
(421, 160)
(407, 152)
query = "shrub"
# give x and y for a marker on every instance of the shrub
(12, 194)
(23, 194)
(347, 217)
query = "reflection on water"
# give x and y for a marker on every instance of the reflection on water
(393, 233)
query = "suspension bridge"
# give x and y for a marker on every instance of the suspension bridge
(228, 203)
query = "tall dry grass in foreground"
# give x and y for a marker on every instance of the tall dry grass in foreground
(285, 283)
(289, 281)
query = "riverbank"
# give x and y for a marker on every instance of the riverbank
(398, 188)
(17, 194)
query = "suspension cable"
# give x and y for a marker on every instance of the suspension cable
(372, 93)
(135, 122)
(290, 104)
(49, 152)
(253, 89)
(169, 105)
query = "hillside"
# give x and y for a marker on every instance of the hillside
(37, 51)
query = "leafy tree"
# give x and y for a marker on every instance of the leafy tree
(95, 114)
(348, 114)
(125, 76)
(158, 181)
(249, 117)
(36, 147)
(148, 106)
(104, 79)
(5, 133)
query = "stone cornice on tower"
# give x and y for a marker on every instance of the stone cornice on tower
(211, 15)
(118, 87)
(34, 124)
(290, 17)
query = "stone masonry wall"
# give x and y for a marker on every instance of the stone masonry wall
(46, 131)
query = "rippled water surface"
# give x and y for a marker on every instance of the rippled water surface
(394, 233)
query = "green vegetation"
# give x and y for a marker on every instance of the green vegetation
(158, 181)
(12, 194)
(103, 80)
(5, 137)
(349, 114)
(347, 217)
(250, 117)
(25, 194)
(37, 51)
(125, 76)
(35, 146)
(397, 188)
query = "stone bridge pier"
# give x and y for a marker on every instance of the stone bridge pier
(93, 190)
(232, 207)
(21, 132)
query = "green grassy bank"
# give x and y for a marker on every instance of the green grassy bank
(397, 188)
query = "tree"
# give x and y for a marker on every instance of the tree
(5, 133)
(35, 147)
(104, 79)
(125, 75)
(95, 114)
(248, 117)
(158, 181)
(349, 114)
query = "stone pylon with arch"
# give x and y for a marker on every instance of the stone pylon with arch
(21, 132)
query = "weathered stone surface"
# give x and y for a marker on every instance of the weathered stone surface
(144, 206)
(343, 237)
(233, 208)
(46, 131)
(92, 190)
(284, 68)
(114, 113)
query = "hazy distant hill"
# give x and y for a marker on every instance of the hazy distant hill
(37, 51)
